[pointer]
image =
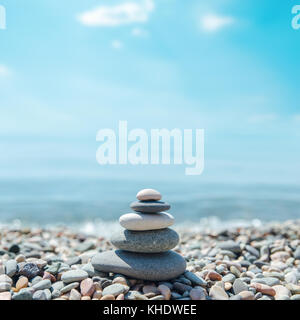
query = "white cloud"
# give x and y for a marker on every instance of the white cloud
(116, 15)
(4, 71)
(116, 44)
(213, 22)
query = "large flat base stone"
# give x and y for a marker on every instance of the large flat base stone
(145, 266)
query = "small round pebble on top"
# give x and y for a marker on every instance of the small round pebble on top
(148, 195)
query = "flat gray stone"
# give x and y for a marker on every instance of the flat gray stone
(271, 281)
(134, 295)
(39, 295)
(41, 285)
(150, 206)
(144, 266)
(89, 269)
(11, 267)
(48, 294)
(23, 294)
(114, 289)
(239, 286)
(69, 287)
(252, 250)
(229, 277)
(230, 245)
(197, 280)
(152, 241)
(36, 279)
(58, 285)
(74, 276)
(55, 294)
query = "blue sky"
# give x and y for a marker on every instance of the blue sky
(69, 68)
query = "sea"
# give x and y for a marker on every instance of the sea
(94, 205)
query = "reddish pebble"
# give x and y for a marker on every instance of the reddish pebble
(247, 295)
(49, 276)
(214, 276)
(97, 295)
(165, 291)
(87, 287)
(120, 297)
(197, 294)
(263, 288)
(150, 289)
(108, 297)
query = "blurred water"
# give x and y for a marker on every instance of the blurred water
(83, 201)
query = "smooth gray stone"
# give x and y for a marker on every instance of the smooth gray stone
(152, 241)
(114, 289)
(55, 294)
(36, 279)
(292, 277)
(150, 206)
(271, 281)
(274, 274)
(89, 269)
(39, 295)
(74, 276)
(252, 250)
(195, 279)
(11, 267)
(23, 294)
(134, 295)
(58, 285)
(239, 286)
(229, 277)
(47, 293)
(69, 287)
(145, 266)
(73, 260)
(175, 295)
(41, 285)
(230, 245)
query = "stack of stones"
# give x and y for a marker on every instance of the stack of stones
(144, 246)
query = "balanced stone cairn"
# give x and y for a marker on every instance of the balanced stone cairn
(144, 246)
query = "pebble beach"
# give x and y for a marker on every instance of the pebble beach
(244, 263)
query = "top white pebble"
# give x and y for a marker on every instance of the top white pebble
(148, 194)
